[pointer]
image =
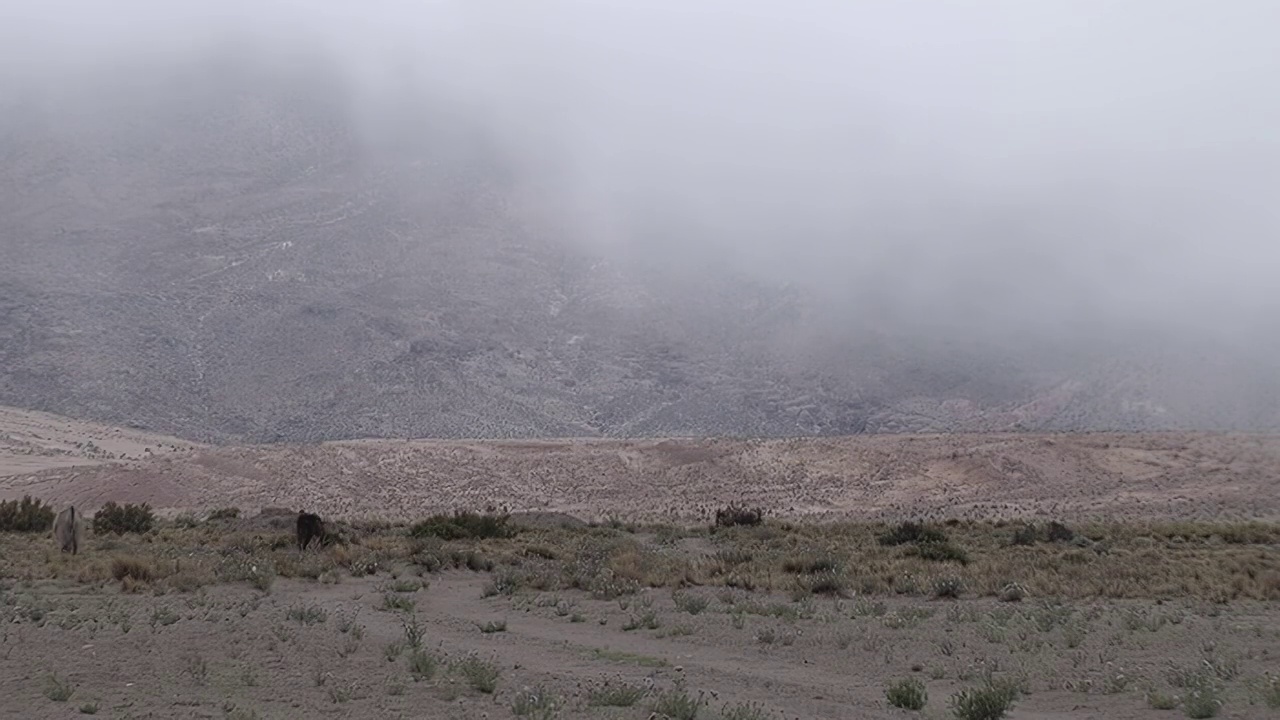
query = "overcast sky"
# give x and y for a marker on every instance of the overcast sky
(1050, 159)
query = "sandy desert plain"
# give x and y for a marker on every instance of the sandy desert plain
(1063, 576)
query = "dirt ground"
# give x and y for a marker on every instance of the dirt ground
(1165, 604)
(320, 649)
(1078, 477)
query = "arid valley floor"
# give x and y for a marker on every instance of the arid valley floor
(607, 593)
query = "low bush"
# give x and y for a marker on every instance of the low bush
(133, 568)
(619, 695)
(989, 702)
(1025, 535)
(908, 694)
(1057, 532)
(481, 675)
(121, 519)
(911, 532)
(25, 515)
(948, 587)
(464, 525)
(940, 552)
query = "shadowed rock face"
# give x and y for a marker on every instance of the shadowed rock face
(68, 530)
(221, 255)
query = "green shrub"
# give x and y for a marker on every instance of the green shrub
(25, 515)
(620, 695)
(1025, 535)
(810, 564)
(989, 702)
(1202, 701)
(307, 614)
(677, 704)
(908, 694)
(481, 675)
(131, 567)
(464, 526)
(58, 691)
(689, 602)
(227, 513)
(910, 532)
(1270, 688)
(535, 703)
(826, 583)
(422, 664)
(948, 587)
(939, 552)
(745, 711)
(118, 519)
(397, 603)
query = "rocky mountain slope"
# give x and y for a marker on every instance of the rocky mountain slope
(226, 255)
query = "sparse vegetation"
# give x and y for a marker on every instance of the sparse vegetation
(227, 513)
(615, 695)
(678, 704)
(57, 690)
(745, 711)
(1203, 698)
(27, 515)
(912, 532)
(481, 675)
(463, 525)
(988, 702)
(1270, 691)
(620, 656)
(538, 703)
(908, 694)
(939, 552)
(647, 620)
(948, 587)
(1099, 647)
(132, 568)
(422, 664)
(397, 603)
(689, 602)
(307, 614)
(1012, 592)
(1057, 532)
(121, 519)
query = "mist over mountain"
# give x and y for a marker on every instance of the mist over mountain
(302, 221)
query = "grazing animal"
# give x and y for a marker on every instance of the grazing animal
(310, 527)
(68, 530)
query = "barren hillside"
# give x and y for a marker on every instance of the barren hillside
(1114, 476)
(218, 253)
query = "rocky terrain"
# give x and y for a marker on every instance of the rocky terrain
(221, 253)
(1116, 477)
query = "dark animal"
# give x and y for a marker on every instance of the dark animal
(735, 515)
(68, 530)
(310, 528)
